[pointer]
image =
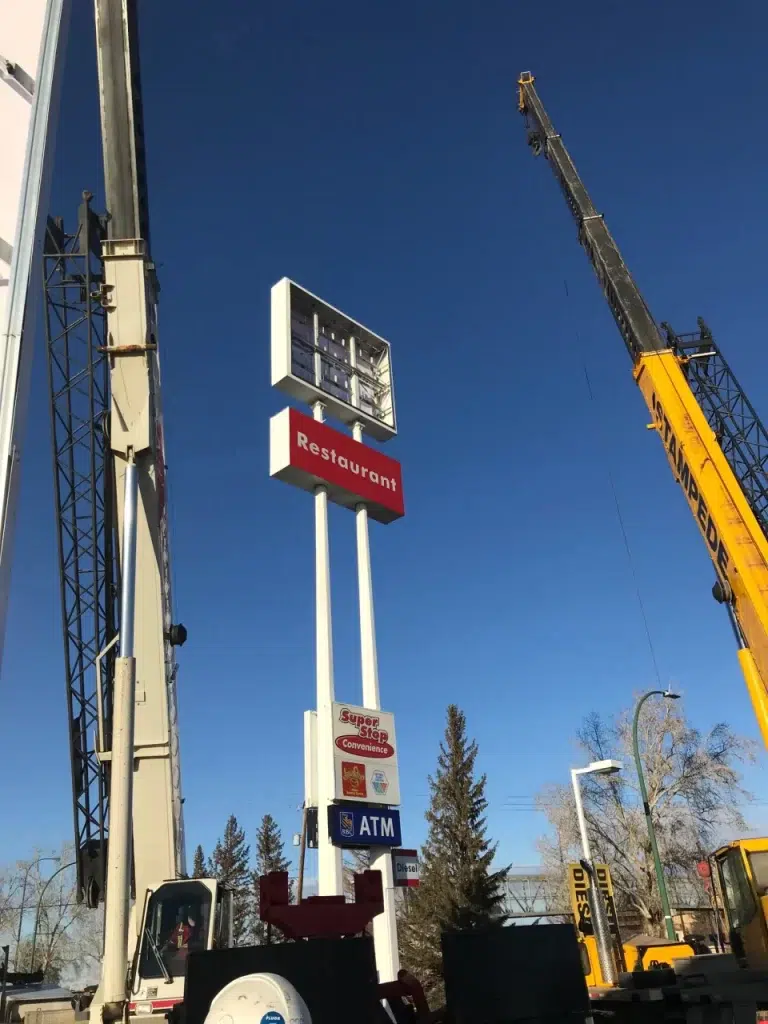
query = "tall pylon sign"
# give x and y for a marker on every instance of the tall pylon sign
(340, 369)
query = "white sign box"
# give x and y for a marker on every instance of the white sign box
(365, 755)
(405, 868)
(321, 354)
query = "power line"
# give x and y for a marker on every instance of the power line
(620, 517)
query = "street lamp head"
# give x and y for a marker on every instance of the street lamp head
(671, 695)
(608, 767)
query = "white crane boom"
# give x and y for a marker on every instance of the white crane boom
(145, 806)
(136, 434)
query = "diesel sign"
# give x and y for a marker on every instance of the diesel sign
(308, 454)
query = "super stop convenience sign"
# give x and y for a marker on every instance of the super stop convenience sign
(405, 867)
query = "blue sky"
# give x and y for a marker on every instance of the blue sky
(373, 153)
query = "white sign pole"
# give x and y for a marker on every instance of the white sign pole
(384, 925)
(329, 872)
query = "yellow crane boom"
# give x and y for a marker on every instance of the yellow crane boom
(724, 483)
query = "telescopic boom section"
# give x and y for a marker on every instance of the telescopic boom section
(122, 119)
(637, 326)
(716, 447)
(136, 436)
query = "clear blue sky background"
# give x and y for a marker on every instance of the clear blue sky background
(373, 152)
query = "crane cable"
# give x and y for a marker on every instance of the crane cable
(620, 518)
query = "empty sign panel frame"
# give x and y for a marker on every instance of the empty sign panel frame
(320, 354)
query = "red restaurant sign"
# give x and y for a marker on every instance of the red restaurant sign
(307, 454)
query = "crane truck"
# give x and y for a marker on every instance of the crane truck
(717, 449)
(33, 36)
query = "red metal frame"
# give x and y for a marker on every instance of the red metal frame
(320, 916)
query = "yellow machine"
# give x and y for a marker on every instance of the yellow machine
(641, 953)
(742, 868)
(717, 449)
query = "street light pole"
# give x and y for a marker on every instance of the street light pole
(599, 916)
(34, 863)
(39, 908)
(660, 880)
(586, 849)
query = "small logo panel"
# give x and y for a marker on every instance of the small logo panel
(353, 779)
(380, 782)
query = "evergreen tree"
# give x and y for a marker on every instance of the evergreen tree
(458, 890)
(230, 865)
(198, 864)
(269, 857)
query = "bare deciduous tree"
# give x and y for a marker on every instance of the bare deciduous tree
(354, 862)
(65, 937)
(695, 794)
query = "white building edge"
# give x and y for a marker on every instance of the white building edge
(32, 40)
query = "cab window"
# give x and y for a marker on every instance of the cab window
(759, 863)
(177, 922)
(738, 894)
(222, 925)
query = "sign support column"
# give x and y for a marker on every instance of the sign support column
(329, 874)
(384, 925)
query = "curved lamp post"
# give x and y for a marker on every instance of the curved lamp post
(40, 906)
(35, 863)
(660, 880)
(601, 926)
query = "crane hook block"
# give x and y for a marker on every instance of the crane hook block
(177, 635)
(534, 141)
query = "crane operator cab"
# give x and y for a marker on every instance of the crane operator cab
(179, 917)
(742, 868)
